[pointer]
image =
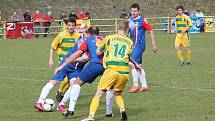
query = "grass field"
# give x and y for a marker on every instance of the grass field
(179, 93)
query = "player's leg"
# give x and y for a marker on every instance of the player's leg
(60, 92)
(44, 93)
(178, 51)
(186, 45)
(134, 73)
(88, 75)
(109, 102)
(74, 94)
(119, 86)
(66, 97)
(72, 77)
(142, 78)
(47, 88)
(106, 83)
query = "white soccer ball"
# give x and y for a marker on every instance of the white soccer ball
(49, 105)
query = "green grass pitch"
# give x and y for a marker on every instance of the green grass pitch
(178, 93)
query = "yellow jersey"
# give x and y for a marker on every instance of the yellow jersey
(117, 49)
(182, 22)
(63, 42)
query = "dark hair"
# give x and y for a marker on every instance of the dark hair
(93, 30)
(72, 20)
(135, 5)
(180, 7)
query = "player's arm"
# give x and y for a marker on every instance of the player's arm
(83, 58)
(189, 22)
(72, 57)
(51, 53)
(54, 46)
(148, 27)
(138, 68)
(101, 46)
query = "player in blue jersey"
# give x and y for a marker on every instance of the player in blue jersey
(71, 71)
(138, 27)
(88, 74)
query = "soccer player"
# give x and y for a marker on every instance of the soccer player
(93, 69)
(117, 49)
(61, 45)
(183, 24)
(138, 27)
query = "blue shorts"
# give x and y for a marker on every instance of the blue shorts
(137, 53)
(91, 72)
(63, 73)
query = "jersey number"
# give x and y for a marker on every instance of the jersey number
(120, 51)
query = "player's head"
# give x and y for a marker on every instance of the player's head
(95, 30)
(135, 10)
(180, 9)
(71, 24)
(123, 27)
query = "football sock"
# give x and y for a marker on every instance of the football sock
(188, 55)
(142, 77)
(180, 57)
(134, 74)
(75, 91)
(94, 105)
(66, 96)
(45, 92)
(66, 88)
(109, 101)
(63, 84)
(120, 102)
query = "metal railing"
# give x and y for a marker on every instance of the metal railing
(109, 26)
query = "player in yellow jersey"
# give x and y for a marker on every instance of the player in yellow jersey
(61, 45)
(117, 49)
(183, 24)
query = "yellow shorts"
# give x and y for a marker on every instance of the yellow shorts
(182, 40)
(111, 79)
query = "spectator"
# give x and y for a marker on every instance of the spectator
(200, 20)
(81, 15)
(199, 14)
(14, 16)
(48, 18)
(37, 19)
(63, 16)
(27, 16)
(1, 24)
(73, 15)
(124, 15)
(87, 15)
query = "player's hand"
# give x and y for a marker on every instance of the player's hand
(57, 69)
(154, 49)
(183, 32)
(137, 67)
(51, 63)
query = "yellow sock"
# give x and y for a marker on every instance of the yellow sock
(120, 102)
(180, 57)
(66, 88)
(63, 84)
(188, 55)
(94, 106)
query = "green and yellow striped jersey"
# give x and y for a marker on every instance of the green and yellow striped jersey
(63, 42)
(182, 22)
(117, 49)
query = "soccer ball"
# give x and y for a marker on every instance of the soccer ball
(49, 105)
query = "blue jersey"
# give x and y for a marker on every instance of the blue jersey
(137, 28)
(74, 65)
(90, 46)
